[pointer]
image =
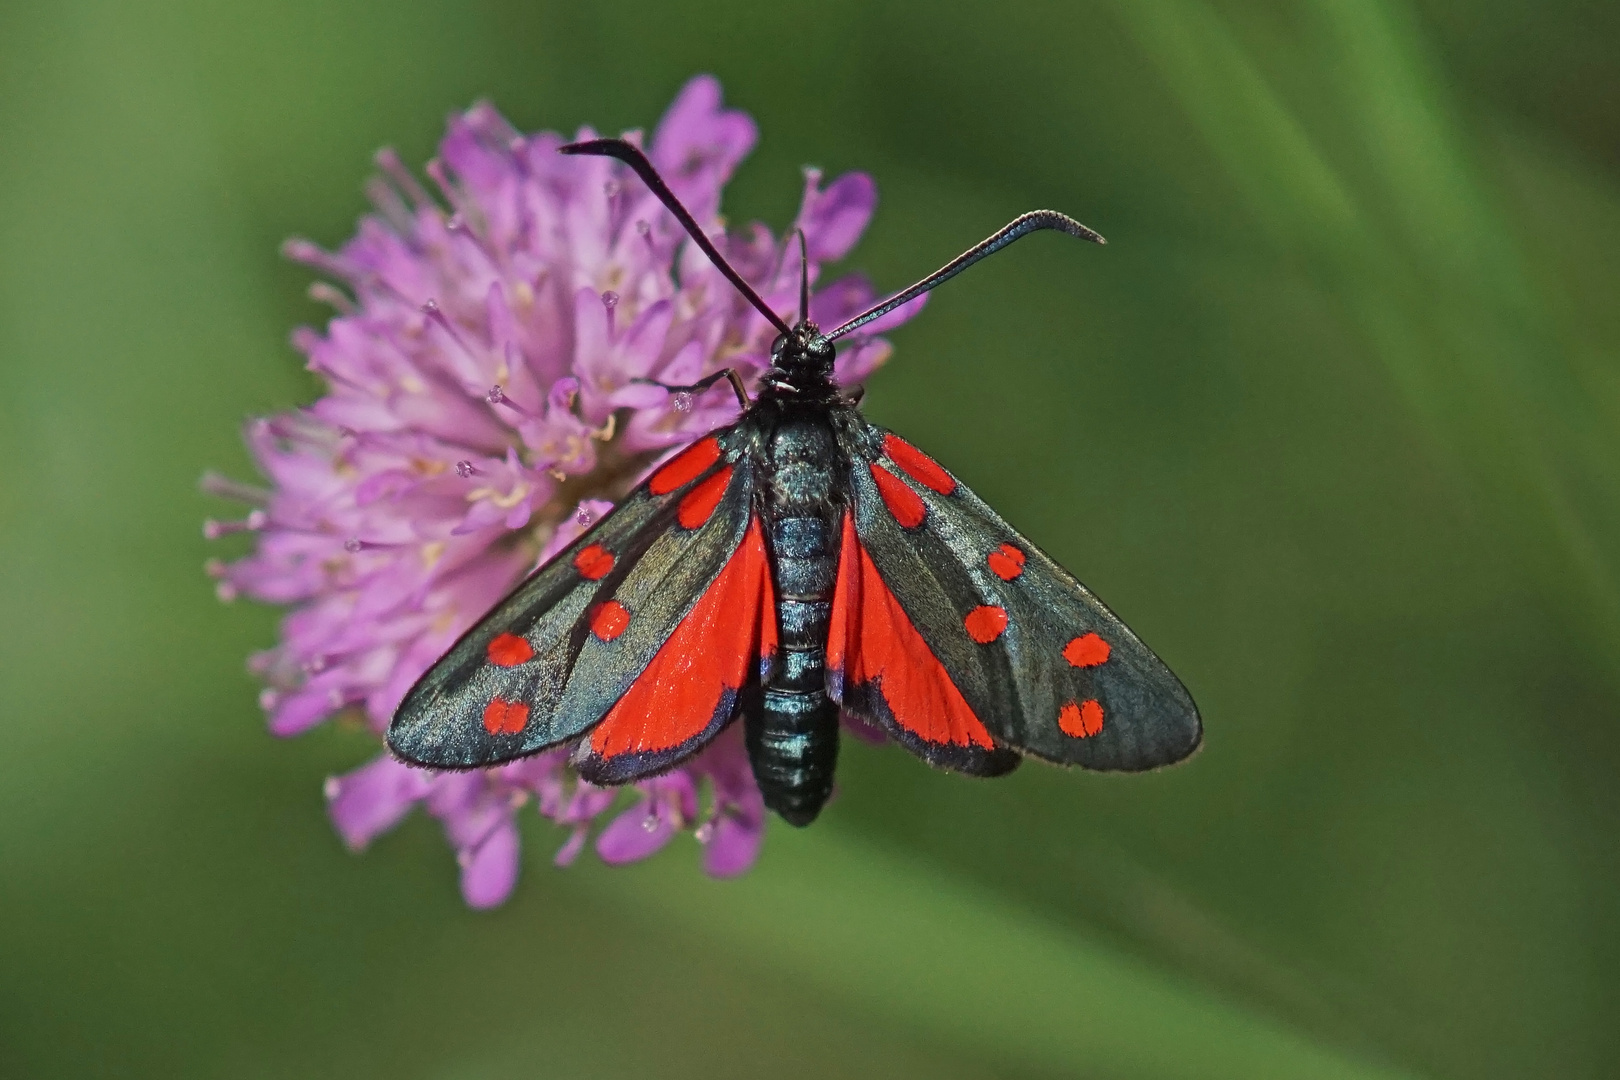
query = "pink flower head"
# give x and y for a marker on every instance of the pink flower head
(480, 380)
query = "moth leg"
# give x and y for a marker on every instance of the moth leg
(704, 383)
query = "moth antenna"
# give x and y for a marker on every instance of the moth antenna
(633, 157)
(804, 277)
(1020, 226)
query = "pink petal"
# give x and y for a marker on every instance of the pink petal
(372, 799)
(489, 871)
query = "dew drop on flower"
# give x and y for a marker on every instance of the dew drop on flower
(583, 515)
(704, 832)
(352, 545)
(650, 822)
(683, 402)
(610, 299)
(464, 469)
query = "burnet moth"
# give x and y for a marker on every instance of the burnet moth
(799, 562)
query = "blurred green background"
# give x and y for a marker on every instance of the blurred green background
(1334, 422)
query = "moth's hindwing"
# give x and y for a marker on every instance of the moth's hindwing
(553, 658)
(691, 688)
(1041, 663)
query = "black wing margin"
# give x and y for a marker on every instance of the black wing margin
(549, 661)
(1046, 667)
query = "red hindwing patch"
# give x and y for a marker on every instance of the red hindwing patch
(871, 639)
(918, 465)
(702, 665)
(686, 466)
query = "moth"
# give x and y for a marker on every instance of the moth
(799, 562)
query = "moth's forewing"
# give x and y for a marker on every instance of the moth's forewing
(1045, 666)
(549, 661)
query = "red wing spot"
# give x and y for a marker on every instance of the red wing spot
(685, 467)
(903, 503)
(700, 502)
(609, 620)
(1087, 650)
(1006, 562)
(985, 624)
(1081, 721)
(918, 465)
(509, 650)
(502, 717)
(593, 562)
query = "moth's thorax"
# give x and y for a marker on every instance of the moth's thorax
(802, 463)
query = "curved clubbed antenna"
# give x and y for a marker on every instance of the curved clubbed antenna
(1020, 226)
(804, 277)
(632, 156)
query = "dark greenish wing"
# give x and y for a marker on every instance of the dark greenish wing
(1042, 663)
(549, 661)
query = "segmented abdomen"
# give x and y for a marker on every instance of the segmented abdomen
(793, 742)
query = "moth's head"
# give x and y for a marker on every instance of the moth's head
(803, 350)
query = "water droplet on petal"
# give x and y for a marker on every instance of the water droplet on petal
(704, 832)
(464, 469)
(583, 515)
(455, 223)
(650, 822)
(352, 545)
(683, 402)
(332, 788)
(610, 299)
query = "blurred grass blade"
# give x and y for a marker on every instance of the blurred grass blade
(898, 939)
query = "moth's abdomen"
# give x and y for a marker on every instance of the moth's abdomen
(793, 739)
